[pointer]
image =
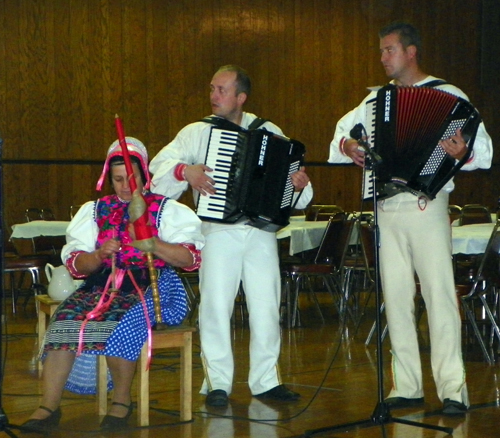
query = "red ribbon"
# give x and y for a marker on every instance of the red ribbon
(141, 224)
(142, 228)
(125, 152)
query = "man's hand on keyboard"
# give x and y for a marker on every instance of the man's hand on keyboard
(198, 179)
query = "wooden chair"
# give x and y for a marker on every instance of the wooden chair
(46, 308)
(173, 337)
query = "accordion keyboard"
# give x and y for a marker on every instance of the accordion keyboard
(221, 148)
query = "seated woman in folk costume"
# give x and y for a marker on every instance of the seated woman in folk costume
(106, 314)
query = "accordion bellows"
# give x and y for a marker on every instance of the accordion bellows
(409, 123)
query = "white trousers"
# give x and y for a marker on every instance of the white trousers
(249, 255)
(415, 236)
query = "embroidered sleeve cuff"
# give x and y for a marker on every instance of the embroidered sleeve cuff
(180, 172)
(196, 253)
(70, 264)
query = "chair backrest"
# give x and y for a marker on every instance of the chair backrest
(488, 273)
(33, 214)
(324, 215)
(475, 214)
(367, 239)
(9, 249)
(47, 214)
(322, 212)
(489, 269)
(333, 246)
(454, 211)
(73, 209)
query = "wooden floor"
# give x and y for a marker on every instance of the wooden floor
(334, 372)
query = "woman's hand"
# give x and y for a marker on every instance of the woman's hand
(88, 262)
(108, 248)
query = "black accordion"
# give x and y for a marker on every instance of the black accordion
(407, 125)
(252, 171)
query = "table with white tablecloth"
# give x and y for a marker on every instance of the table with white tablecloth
(47, 234)
(306, 235)
(28, 230)
(471, 239)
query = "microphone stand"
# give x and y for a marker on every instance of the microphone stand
(381, 414)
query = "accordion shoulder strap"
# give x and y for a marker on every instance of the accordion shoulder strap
(222, 123)
(257, 123)
(434, 83)
(226, 124)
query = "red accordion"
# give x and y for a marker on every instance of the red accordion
(408, 124)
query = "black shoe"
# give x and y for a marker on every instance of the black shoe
(402, 402)
(111, 423)
(217, 398)
(45, 425)
(452, 407)
(280, 392)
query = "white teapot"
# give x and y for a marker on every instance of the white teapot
(61, 283)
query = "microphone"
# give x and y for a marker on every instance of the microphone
(357, 132)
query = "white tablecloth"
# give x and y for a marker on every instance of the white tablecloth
(305, 235)
(471, 239)
(32, 229)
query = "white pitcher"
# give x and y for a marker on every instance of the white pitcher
(61, 283)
